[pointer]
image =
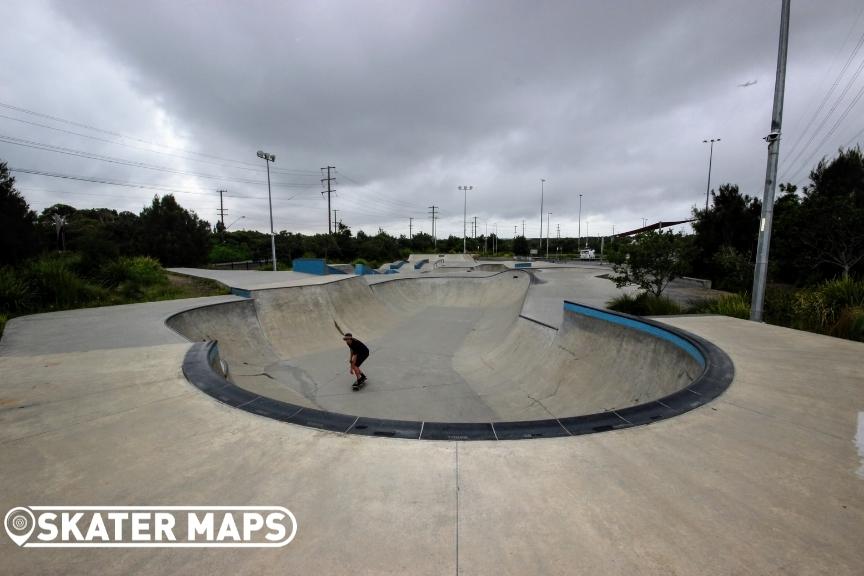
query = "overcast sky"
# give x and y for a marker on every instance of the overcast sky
(410, 99)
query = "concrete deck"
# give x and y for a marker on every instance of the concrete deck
(765, 480)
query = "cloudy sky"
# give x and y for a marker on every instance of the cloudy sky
(411, 99)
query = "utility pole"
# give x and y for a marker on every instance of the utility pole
(547, 234)
(222, 210)
(434, 210)
(710, 159)
(523, 227)
(335, 228)
(773, 139)
(410, 228)
(475, 228)
(268, 158)
(465, 215)
(328, 179)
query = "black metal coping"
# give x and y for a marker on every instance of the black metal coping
(201, 367)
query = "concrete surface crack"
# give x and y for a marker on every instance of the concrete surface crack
(457, 508)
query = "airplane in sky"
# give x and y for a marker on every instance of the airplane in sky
(748, 83)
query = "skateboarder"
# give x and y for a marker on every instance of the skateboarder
(357, 355)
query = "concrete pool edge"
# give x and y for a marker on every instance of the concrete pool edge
(202, 367)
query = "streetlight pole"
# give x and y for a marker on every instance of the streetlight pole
(465, 215)
(268, 158)
(710, 159)
(764, 243)
(542, 182)
(579, 242)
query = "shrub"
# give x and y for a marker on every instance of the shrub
(228, 253)
(734, 305)
(833, 307)
(644, 304)
(14, 291)
(56, 286)
(133, 277)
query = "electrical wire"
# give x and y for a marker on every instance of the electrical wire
(123, 162)
(135, 139)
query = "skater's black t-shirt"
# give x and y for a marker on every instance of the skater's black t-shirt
(358, 348)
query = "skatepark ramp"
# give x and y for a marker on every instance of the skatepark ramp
(452, 358)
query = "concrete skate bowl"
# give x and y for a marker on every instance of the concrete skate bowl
(452, 359)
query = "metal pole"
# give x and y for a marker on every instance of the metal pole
(270, 200)
(547, 234)
(465, 216)
(542, 182)
(763, 248)
(579, 242)
(710, 159)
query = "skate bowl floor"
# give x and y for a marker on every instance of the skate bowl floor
(452, 358)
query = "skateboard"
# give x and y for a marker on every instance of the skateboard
(357, 386)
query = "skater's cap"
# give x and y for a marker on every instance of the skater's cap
(347, 336)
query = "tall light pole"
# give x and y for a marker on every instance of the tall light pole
(234, 222)
(579, 242)
(270, 158)
(710, 158)
(465, 215)
(548, 216)
(542, 182)
(773, 139)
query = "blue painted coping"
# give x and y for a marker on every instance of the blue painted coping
(310, 266)
(636, 324)
(522, 265)
(397, 265)
(241, 292)
(420, 263)
(361, 269)
(332, 270)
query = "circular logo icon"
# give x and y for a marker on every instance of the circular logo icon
(19, 523)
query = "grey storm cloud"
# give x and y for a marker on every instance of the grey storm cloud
(409, 100)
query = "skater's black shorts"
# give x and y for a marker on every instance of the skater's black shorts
(360, 359)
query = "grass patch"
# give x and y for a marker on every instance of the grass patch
(644, 304)
(735, 305)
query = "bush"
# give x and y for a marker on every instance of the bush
(14, 291)
(55, 285)
(228, 253)
(3, 320)
(833, 307)
(644, 304)
(734, 305)
(133, 277)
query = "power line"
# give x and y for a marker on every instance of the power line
(794, 159)
(833, 87)
(296, 172)
(123, 162)
(119, 135)
(130, 184)
(855, 99)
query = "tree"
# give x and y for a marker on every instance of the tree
(652, 261)
(172, 234)
(832, 213)
(520, 246)
(732, 222)
(17, 222)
